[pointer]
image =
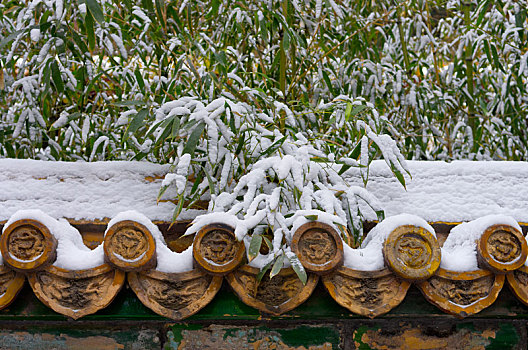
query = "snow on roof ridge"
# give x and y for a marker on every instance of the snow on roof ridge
(438, 191)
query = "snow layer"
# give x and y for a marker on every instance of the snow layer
(459, 252)
(452, 192)
(168, 261)
(72, 254)
(80, 190)
(369, 257)
(438, 191)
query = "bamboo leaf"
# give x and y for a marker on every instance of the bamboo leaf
(298, 268)
(95, 10)
(128, 103)
(279, 262)
(90, 31)
(328, 82)
(263, 271)
(137, 121)
(355, 111)
(139, 79)
(399, 176)
(210, 181)
(254, 246)
(268, 243)
(57, 77)
(192, 142)
(178, 209)
(162, 191)
(215, 4)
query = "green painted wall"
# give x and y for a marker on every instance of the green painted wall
(227, 323)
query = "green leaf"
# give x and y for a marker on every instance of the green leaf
(263, 271)
(47, 76)
(298, 268)
(79, 42)
(197, 182)
(192, 142)
(137, 121)
(354, 111)
(128, 103)
(178, 209)
(311, 217)
(268, 243)
(254, 247)
(286, 41)
(348, 109)
(282, 69)
(279, 262)
(56, 76)
(95, 10)
(487, 50)
(240, 144)
(90, 31)
(344, 168)
(274, 146)
(175, 127)
(483, 10)
(328, 82)
(162, 191)
(139, 79)
(380, 214)
(161, 11)
(496, 58)
(10, 37)
(399, 176)
(220, 56)
(215, 4)
(210, 181)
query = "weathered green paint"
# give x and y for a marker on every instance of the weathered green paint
(358, 335)
(507, 337)
(261, 337)
(175, 336)
(226, 306)
(38, 338)
(320, 322)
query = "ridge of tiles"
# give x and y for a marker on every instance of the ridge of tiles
(412, 256)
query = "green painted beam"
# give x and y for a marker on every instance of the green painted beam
(227, 306)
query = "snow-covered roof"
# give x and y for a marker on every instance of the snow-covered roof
(80, 190)
(451, 192)
(438, 191)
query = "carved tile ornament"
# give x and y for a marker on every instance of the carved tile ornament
(318, 246)
(462, 293)
(518, 282)
(27, 245)
(77, 293)
(366, 293)
(216, 249)
(412, 252)
(129, 246)
(275, 296)
(502, 248)
(11, 283)
(174, 295)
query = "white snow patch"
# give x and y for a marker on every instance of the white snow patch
(168, 261)
(72, 254)
(452, 192)
(212, 218)
(459, 252)
(85, 191)
(369, 257)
